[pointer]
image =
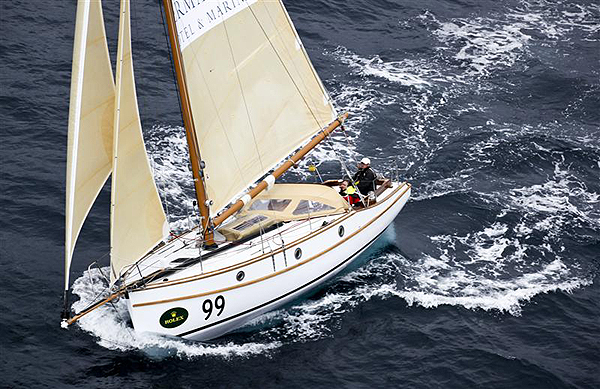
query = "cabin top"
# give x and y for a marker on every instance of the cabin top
(284, 202)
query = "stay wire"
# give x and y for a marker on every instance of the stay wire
(285, 48)
(345, 168)
(164, 190)
(285, 67)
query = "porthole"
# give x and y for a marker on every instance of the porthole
(298, 253)
(240, 276)
(341, 231)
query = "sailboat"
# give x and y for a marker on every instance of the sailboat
(252, 106)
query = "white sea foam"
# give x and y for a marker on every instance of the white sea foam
(373, 86)
(459, 183)
(502, 265)
(486, 269)
(430, 282)
(110, 325)
(401, 71)
(484, 44)
(168, 152)
(556, 20)
(562, 200)
(444, 284)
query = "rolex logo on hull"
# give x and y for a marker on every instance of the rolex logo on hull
(174, 317)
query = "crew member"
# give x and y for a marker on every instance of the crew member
(364, 179)
(349, 193)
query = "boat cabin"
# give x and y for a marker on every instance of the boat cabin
(284, 202)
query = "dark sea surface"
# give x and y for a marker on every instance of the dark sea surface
(488, 278)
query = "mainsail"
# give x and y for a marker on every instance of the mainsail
(138, 221)
(254, 94)
(89, 155)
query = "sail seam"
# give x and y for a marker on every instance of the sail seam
(285, 67)
(285, 47)
(237, 74)
(312, 68)
(208, 90)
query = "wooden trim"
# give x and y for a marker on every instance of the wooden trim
(280, 271)
(281, 169)
(275, 252)
(350, 258)
(383, 185)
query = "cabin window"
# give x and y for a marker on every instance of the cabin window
(309, 206)
(270, 205)
(250, 222)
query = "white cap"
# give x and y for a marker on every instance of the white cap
(365, 161)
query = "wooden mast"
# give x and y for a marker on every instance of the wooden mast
(188, 122)
(208, 224)
(280, 170)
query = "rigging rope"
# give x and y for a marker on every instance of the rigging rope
(173, 72)
(301, 94)
(285, 47)
(345, 168)
(285, 68)
(164, 190)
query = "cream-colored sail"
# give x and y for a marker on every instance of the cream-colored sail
(91, 111)
(254, 94)
(138, 222)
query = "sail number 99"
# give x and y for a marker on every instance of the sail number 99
(207, 306)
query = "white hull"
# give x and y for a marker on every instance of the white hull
(214, 302)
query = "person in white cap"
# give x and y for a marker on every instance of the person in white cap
(364, 179)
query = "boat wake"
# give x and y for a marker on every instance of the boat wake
(496, 264)
(303, 321)
(487, 270)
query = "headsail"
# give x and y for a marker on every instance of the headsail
(254, 94)
(138, 221)
(89, 155)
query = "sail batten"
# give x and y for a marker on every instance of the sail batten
(254, 94)
(90, 129)
(138, 221)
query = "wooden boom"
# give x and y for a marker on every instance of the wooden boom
(236, 206)
(281, 169)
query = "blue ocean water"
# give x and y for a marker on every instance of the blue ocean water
(489, 277)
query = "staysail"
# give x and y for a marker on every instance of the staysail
(254, 94)
(138, 221)
(89, 154)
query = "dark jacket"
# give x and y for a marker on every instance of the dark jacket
(364, 180)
